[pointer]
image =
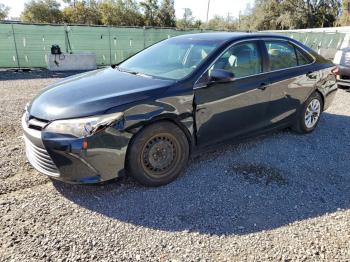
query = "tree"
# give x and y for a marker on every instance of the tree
(187, 19)
(81, 12)
(166, 14)
(291, 14)
(132, 14)
(4, 11)
(245, 19)
(220, 23)
(150, 10)
(322, 13)
(120, 13)
(344, 19)
(197, 23)
(70, 2)
(111, 13)
(42, 11)
(265, 14)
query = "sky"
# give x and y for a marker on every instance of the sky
(198, 7)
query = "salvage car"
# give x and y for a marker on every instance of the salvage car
(145, 116)
(342, 60)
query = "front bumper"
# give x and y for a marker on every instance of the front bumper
(64, 158)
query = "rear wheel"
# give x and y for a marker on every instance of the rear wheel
(310, 114)
(158, 154)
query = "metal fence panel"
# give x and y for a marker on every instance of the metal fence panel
(8, 56)
(90, 39)
(28, 45)
(317, 40)
(33, 43)
(125, 42)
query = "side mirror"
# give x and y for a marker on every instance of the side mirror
(221, 76)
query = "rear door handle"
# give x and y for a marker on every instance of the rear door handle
(263, 86)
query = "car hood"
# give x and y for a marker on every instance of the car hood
(93, 93)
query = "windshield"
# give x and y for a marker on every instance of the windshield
(172, 59)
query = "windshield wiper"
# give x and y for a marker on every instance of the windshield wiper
(126, 71)
(144, 75)
(133, 72)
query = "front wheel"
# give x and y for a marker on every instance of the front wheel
(158, 154)
(309, 115)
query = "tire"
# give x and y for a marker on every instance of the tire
(157, 154)
(309, 116)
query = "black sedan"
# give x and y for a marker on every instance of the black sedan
(147, 114)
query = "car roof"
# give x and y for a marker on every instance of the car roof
(228, 36)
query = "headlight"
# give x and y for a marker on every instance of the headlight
(82, 127)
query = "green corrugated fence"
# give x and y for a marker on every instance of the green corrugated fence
(28, 45)
(318, 40)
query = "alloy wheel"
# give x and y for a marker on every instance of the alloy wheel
(312, 113)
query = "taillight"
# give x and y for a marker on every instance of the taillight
(335, 70)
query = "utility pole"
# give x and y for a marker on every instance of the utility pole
(208, 11)
(228, 17)
(239, 19)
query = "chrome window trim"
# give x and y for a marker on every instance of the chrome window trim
(251, 40)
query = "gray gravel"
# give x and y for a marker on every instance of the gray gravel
(279, 197)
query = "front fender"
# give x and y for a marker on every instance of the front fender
(177, 108)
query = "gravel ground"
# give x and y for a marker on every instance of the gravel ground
(280, 197)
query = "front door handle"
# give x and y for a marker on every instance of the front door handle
(263, 86)
(311, 75)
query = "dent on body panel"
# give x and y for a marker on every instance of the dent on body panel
(107, 151)
(301, 87)
(177, 107)
(327, 82)
(304, 85)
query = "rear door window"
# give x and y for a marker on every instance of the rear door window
(303, 59)
(281, 55)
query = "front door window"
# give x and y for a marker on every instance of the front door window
(241, 59)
